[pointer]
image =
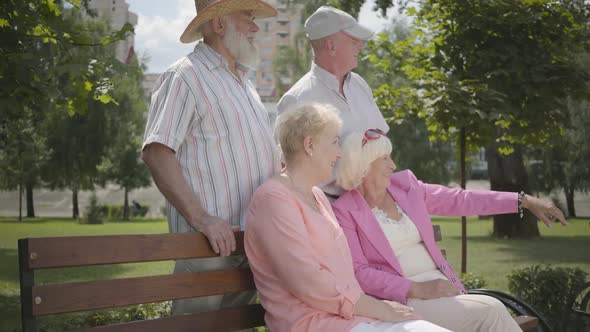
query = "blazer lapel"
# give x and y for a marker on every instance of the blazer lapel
(370, 226)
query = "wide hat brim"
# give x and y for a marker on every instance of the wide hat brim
(259, 8)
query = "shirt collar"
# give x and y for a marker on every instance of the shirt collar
(214, 59)
(326, 77)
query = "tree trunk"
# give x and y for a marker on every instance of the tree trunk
(126, 206)
(507, 173)
(30, 204)
(569, 199)
(75, 208)
(463, 219)
(20, 202)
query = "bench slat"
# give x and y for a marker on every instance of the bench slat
(437, 233)
(58, 252)
(82, 296)
(231, 319)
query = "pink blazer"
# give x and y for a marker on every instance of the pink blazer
(375, 264)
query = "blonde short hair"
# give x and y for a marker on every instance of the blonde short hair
(356, 159)
(302, 121)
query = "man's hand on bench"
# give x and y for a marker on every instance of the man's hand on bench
(220, 234)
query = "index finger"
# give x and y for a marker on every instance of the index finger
(214, 246)
(561, 218)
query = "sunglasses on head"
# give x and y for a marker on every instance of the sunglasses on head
(372, 134)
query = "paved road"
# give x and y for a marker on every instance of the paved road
(59, 203)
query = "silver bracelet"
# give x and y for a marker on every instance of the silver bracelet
(520, 200)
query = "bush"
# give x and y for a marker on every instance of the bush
(116, 211)
(93, 213)
(112, 316)
(472, 281)
(549, 290)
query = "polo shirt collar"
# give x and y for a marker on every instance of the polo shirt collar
(326, 77)
(213, 59)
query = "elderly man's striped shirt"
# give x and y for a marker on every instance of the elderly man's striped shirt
(220, 131)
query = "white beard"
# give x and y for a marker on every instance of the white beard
(239, 47)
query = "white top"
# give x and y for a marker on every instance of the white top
(405, 240)
(220, 131)
(357, 107)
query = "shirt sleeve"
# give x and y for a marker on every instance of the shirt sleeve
(172, 111)
(286, 103)
(281, 235)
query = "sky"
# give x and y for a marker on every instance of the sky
(160, 24)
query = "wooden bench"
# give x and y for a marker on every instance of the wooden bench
(63, 252)
(525, 316)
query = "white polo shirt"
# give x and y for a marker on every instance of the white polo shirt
(357, 107)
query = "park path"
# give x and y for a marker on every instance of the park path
(59, 203)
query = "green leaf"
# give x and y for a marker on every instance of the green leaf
(52, 7)
(75, 3)
(506, 150)
(4, 23)
(105, 99)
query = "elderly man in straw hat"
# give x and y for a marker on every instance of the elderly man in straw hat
(336, 39)
(208, 140)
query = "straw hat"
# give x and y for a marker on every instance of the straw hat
(209, 9)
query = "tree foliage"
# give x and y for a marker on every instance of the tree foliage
(121, 163)
(48, 71)
(499, 69)
(31, 34)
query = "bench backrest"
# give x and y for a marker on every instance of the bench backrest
(64, 252)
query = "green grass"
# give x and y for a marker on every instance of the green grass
(493, 259)
(490, 258)
(11, 230)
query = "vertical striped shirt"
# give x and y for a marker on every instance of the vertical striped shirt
(219, 130)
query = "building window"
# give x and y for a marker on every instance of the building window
(266, 63)
(267, 75)
(113, 8)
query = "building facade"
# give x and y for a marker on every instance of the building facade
(275, 32)
(117, 11)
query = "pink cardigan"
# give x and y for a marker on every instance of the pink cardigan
(375, 264)
(301, 262)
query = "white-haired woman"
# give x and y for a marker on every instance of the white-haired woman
(386, 219)
(295, 247)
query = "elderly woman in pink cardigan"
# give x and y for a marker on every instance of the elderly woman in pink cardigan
(386, 219)
(296, 249)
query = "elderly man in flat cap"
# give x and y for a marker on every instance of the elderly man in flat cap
(208, 141)
(336, 39)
